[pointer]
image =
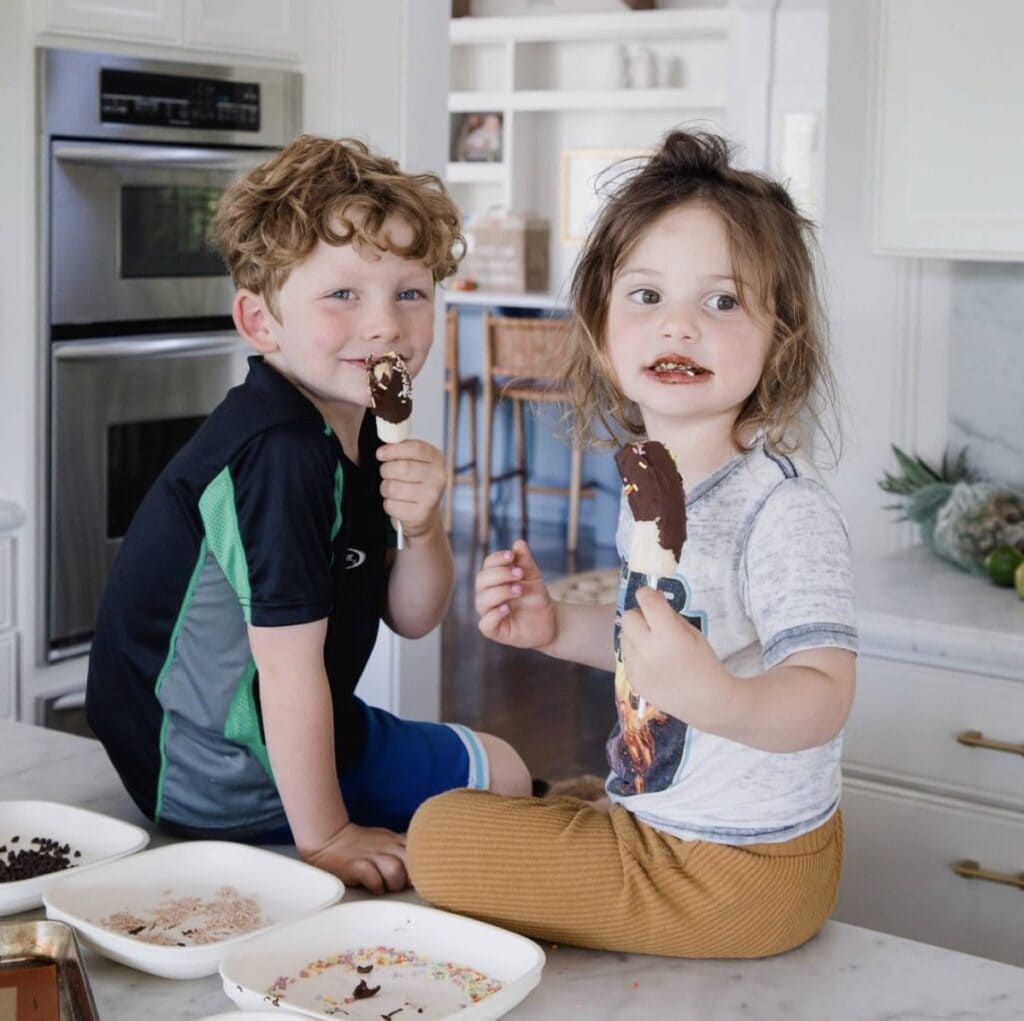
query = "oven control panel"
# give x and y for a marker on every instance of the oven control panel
(178, 101)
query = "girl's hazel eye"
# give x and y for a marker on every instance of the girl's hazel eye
(644, 296)
(343, 293)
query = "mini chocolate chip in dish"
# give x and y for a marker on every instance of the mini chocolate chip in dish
(44, 842)
(42, 856)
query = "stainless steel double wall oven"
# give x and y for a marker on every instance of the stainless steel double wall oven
(136, 156)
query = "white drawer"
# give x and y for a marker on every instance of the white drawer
(6, 582)
(8, 674)
(906, 719)
(898, 877)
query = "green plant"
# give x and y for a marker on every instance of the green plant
(961, 518)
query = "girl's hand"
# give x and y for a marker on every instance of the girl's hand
(412, 480)
(364, 856)
(670, 663)
(512, 600)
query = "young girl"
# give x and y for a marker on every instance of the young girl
(696, 326)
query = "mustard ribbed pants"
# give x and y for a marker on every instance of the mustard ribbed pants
(559, 870)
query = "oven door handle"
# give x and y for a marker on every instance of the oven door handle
(99, 350)
(168, 156)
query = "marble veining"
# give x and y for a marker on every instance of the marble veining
(845, 974)
(986, 368)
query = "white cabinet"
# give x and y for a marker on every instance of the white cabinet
(267, 28)
(932, 759)
(901, 848)
(950, 129)
(614, 82)
(260, 27)
(156, 21)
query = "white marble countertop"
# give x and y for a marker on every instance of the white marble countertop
(916, 607)
(844, 974)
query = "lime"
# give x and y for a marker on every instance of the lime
(1001, 564)
(1018, 579)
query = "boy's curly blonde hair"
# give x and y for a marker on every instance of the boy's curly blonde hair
(335, 191)
(773, 253)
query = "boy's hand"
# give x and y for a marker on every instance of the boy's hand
(364, 856)
(412, 481)
(670, 663)
(512, 600)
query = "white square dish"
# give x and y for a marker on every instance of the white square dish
(428, 964)
(97, 839)
(177, 910)
(245, 1015)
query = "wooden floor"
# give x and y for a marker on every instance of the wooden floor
(555, 714)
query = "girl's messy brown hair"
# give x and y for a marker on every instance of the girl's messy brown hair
(338, 192)
(772, 249)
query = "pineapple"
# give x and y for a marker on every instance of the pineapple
(961, 518)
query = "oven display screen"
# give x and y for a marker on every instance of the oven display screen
(163, 231)
(178, 101)
(136, 454)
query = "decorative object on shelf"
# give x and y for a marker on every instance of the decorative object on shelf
(507, 252)
(587, 177)
(643, 67)
(963, 519)
(476, 137)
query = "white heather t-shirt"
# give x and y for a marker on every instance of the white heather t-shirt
(764, 573)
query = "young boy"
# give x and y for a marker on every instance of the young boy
(245, 600)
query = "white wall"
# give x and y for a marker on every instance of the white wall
(380, 72)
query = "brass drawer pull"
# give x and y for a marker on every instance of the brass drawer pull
(976, 739)
(972, 870)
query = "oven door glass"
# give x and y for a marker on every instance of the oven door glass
(128, 231)
(120, 411)
(163, 231)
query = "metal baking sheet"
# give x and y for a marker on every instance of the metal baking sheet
(57, 942)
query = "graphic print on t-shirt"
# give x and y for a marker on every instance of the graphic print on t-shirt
(646, 746)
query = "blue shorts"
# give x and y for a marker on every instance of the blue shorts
(402, 764)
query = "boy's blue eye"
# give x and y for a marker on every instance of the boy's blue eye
(724, 302)
(343, 293)
(411, 294)
(645, 296)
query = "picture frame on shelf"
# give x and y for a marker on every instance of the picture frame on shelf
(587, 175)
(477, 137)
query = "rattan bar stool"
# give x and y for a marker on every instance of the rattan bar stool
(522, 362)
(455, 386)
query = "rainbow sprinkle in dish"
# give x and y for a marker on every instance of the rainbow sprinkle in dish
(383, 982)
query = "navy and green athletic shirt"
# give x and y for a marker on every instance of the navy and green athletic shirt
(260, 519)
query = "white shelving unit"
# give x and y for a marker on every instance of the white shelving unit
(559, 83)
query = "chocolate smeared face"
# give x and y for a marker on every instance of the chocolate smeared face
(654, 488)
(390, 387)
